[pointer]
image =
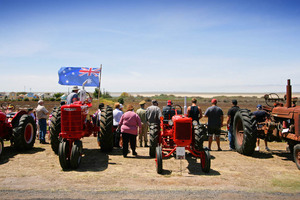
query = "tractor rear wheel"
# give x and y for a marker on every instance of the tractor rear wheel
(105, 136)
(55, 129)
(76, 154)
(24, 133)
(1, 146)
(205, 163)
(199, 137)
(244, 132)
(297, 155)
(159, 164)
(64, 154)
(153, 131)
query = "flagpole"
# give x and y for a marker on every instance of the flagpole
(99, 83)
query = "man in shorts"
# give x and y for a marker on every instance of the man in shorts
(215, 123)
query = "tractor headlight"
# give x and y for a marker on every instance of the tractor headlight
(170, 122)
(195, 123)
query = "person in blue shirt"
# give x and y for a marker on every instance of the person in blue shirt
(260, 116)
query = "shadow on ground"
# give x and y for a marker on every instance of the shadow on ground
(10, 152)
(93, 160)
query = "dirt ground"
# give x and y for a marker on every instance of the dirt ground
(37, 174)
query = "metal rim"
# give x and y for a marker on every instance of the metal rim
(1, 146)
(28, 135)
(297, 157)
(239, 132)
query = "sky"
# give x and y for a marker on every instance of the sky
(152, 46)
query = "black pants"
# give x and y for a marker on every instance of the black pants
(116, 135)
(126, 138)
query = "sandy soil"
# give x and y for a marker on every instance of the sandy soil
(37, 174)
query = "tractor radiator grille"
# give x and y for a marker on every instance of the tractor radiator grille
(182, 131)
(71, 121)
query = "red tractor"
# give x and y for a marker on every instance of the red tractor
(179, 133)
(18, 127)
(70, 123)
(283, 123)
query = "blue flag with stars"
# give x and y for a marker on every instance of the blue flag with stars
(77, 76)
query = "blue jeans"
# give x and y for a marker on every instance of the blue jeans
(43, 128)
(231, 137)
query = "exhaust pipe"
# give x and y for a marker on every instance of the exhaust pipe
(288, 94)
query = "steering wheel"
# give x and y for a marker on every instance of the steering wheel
(176, 109)
(89, 99)
(272, 97)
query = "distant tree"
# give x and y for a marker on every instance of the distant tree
(26, 99)
(57, 95)
(121, 100)
(125, 94)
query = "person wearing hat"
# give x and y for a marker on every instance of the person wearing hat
(153, 113)
(130, 125)
(230, 117)
(73, 96)
(142, 114)
(260, 116)
(168, 111)
(117, 114)
(42, 115)
(215, 123)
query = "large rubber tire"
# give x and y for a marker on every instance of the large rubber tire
(199, 137)
(1, 146)
(24, 133)
(205, 163)
(76, 154)
(64, 154)
(297, 155)
(105, 136)
(244, 131)
(55, 129)
(159, 164)
(153, 132)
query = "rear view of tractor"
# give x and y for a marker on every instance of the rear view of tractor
(70, 123)
(176, 136)
(19, 128)
(283, 123)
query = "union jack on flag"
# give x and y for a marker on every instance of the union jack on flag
(89, 72)
(78, 75)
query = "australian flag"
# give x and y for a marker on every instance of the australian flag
(77, 75)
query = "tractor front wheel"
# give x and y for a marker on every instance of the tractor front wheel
(64, 154)
(244, 132)
(1, 146)
(76, 154)
(24, 133)
(205, 163)
(153, 132)
(159, 164)
(297, 155)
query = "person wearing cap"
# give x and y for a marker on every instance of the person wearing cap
(230, 117)
(117, 114)
(130, 124)
(142, 114)
(215, 123)
(73, 96)
(168, 111)
(153, 113)
(42, 115)
(194, 111)
(260, 116)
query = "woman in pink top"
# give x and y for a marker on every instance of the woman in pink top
(130, 124)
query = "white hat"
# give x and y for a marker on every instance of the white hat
(121, 106)
(75, 88)
(40, 101)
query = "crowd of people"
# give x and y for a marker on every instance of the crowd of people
(130, 125)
